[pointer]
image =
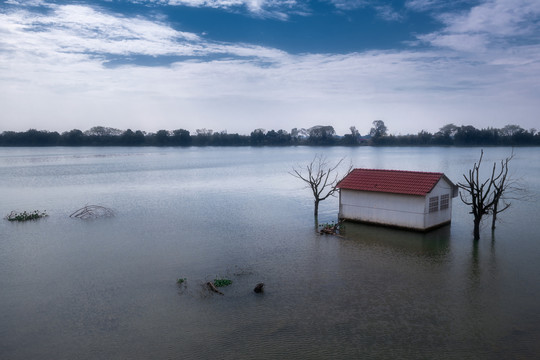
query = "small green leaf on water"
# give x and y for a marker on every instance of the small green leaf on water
(222, 282)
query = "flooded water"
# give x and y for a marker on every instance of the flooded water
(106, 288)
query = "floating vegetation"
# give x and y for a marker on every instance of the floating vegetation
(92, 212)
(26, 216)
(222, 282)
(332, 228)
(210, 288)
(182, 284)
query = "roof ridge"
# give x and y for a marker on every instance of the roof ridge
(402, 171)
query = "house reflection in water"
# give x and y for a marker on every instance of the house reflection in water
(435, 243)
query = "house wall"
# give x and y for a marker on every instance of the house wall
(441, 215)
(383, 208)
(408, 211)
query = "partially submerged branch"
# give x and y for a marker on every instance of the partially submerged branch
(213, 288)
(92, 212)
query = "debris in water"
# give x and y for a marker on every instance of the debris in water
(92, 212)
(259, 288)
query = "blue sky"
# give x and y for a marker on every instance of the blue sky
(238, 65)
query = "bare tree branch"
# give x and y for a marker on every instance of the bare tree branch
(92, 212)
(485, 197)
(321, 178)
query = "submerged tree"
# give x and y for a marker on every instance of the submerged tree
(504, 190)
(321, 177)
(484, 195)
(499, 188)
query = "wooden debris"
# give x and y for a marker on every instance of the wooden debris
(259, 288)
(92, 212)
(213, 288)
(329, 231)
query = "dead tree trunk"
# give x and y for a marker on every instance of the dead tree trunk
(484, 196)
(476, 230)
(499, 189)
(479, 195)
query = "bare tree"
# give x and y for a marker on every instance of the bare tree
(321, 177)
(506, 189)
(484, 196)
(499, 189)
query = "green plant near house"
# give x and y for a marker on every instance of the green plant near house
(26, 216)
(331, 225)
(222, 282)
(180, 281)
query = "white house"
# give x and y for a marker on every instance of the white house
(406, 199)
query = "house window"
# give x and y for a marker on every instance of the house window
(445, 201)
(433, 204)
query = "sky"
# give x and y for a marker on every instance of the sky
(240, 65)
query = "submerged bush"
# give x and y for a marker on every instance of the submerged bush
(25, 216)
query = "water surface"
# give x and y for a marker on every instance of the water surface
(106, 289)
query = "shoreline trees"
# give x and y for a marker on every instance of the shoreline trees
(448, 135)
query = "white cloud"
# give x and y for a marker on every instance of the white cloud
(497, 17)
(282, 9)
(433, 5)
(349, 4)
(263, 8)
(459, 42)
(386, 12)
(52, 76)
(78, 30)
(488, 24)
(26, 2)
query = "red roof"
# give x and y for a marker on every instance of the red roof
(391, 181)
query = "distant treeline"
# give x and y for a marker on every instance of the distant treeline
(510, 135)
